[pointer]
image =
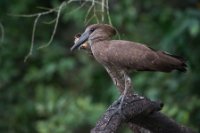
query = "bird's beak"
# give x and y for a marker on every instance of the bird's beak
(83, 38)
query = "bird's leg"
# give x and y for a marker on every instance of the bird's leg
(127, 89)
(123, 83)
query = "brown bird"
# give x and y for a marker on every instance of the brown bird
(116, 75)
(123, 57)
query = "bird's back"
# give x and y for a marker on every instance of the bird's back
(134, 56)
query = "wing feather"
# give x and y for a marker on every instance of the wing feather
(139, 57)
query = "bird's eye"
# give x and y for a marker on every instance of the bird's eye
(92, 29)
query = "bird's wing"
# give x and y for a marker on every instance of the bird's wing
(130, 55)
(135, 56)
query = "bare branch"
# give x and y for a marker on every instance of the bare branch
(35, 14)
(82, 5)
(32, 38)
(95, 15)
(103, 10)
(92, 9)
(141, 114)
(108, 13)
(55, 26)
(43, 8)
(90, 19)
(50, 22)
(88, 12)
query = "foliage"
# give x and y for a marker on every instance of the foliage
(59, 91)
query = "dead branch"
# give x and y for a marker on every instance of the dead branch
(32, 38)
(94, 3)
(141, 114)
(55, 26)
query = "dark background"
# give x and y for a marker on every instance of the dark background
(56, 91)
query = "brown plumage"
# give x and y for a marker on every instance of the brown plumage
(129, 55)
(126, 56)
(134, 56)
(120, 57)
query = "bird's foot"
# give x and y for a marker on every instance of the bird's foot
(119, 108)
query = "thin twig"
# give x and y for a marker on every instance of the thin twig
(95, 1)
(35, 14)
(2, 32)
(83, 4)
(108, 13)
(88, 12)
(109, 18)
(90, 19)
(95, 15)
(55, 26)
(43, 8)
(103, 10)
(103, 4)
(50, 22)
(32, 38)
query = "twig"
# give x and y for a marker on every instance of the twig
(102, 3)
(94, 11)
(35, 14)
(88, 12)
(49, 22)
(108, 13)
(92, 7)
(32, 38)
(103, 10)
(90, 19)
(43, 8)
(55, 26)
(83, 4)
(52, 21)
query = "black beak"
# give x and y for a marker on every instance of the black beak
(83, 38)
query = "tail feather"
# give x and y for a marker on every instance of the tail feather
(176, 56)
(174, 62)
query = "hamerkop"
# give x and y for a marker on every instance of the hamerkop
(123, 57)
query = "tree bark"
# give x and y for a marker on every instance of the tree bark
(141, 115)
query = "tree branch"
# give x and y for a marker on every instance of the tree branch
(94, 3)
(32, 38)
(141, 114)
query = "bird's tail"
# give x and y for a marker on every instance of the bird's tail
(174, 62)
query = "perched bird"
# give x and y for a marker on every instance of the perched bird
(116, 75)
(126, 56)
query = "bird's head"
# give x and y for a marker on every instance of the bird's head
(95, 32)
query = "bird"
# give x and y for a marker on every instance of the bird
(115, 75)
(124, 57)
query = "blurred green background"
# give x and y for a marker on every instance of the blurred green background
(57, 91)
